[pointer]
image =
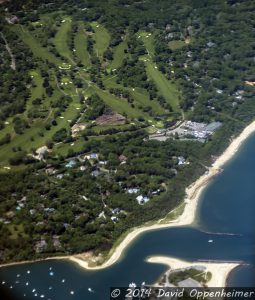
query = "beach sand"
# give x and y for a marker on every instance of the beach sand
(219, 271)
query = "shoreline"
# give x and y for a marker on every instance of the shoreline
(219, 270)
(188, 217)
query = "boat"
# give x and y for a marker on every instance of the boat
(132, 285)
(210, 241)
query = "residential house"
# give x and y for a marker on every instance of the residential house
(133, 190)
(142, 200)
(122, 158)
(70, 164)
(40, 246)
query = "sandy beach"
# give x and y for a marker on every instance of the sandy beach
(219, 271)
(188, 216)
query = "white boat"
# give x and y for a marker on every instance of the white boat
(210, 241)
(90, 290)
(132, 285)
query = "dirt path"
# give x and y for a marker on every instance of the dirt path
(13, 62)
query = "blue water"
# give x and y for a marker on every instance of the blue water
(226, 215)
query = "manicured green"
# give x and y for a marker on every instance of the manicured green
(141, 97)
(61, 39)
(35, 46)
(148, 40)
(165, 87)
(176, 44)
(118, 55)
(80, 44)
(102, 38)
(119, 105)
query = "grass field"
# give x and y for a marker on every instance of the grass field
(118, 105)
(141, 97)
(35, 46)
(165, 87)
(16, 231)
(61, 39)
(101, 37)
(62, 149)
(37, 91)
(173, 45)
(148, 40)
(118, 55)
(80, 44)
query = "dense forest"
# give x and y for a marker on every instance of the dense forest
(84, 85)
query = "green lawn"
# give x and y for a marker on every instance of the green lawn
(165, 87)
(61, 39)
(141, 98)
(37, 91)
(80, 44)
(148, 40)
(35, 46)
(118, 105)
(101, 37)
(118, 55)
(16, 231)
(176, 44)
(62, 149)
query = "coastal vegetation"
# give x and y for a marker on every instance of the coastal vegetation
(85, 84)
